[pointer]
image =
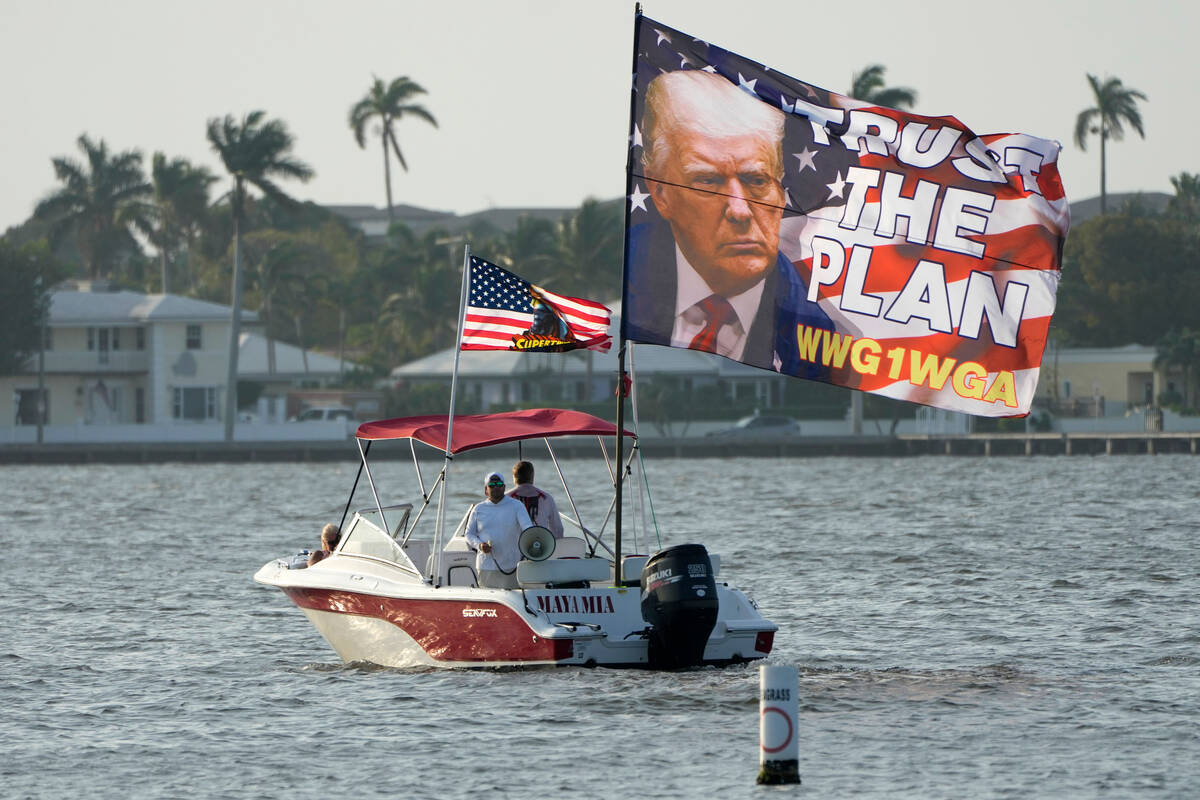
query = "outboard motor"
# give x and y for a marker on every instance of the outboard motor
(679, 600)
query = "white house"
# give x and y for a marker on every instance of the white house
(126, 358)
(491, 378)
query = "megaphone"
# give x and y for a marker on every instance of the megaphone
(536, 543)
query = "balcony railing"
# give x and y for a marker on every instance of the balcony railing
(106, 361)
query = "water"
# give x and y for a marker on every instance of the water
(1006, 627)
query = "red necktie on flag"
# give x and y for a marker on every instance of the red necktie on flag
(717, 314)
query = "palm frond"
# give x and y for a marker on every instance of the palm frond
(1083, 126)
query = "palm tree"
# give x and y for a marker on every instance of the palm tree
(533, 250)
(1186, 202)
(255, 151)
(274, 259)
(388, 103)
(1115, 105)
(868, 86)
(99, 202)
(179, 204)
(423, 316)
(591, 244)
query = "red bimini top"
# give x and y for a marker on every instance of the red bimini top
(481, 430)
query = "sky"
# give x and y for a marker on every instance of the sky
(532, 98)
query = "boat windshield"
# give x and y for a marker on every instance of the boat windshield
(367, 539)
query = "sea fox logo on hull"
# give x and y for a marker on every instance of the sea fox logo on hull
(575, 604)
(479, 612)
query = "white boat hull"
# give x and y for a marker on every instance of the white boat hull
(384, 615)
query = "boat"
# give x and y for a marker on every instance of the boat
(396, 593)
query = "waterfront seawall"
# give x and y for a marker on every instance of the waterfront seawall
(970, 444)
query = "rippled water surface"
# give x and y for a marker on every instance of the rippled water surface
(1006, 627)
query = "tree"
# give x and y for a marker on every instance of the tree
(343, 283)
(1127, 278)
(423, 316)
(1115, 106)
(1180, 348)
(591, 246)
(255, 152)
(868, 86)
(274, 259)
(388, 104)
(99, 202)
(26, 274)
(533, 250)
(180, 198)
(1186, 202)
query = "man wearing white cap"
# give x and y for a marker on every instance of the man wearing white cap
(493, 531)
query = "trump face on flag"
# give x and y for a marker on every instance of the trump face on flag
(710, 276)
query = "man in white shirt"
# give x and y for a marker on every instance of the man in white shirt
(493, 531)
(540, 505)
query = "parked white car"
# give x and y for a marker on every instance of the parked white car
(761, 425)
(323, 414)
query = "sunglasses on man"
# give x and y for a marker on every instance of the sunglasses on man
(496, 483)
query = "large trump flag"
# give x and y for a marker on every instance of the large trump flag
(794, 229)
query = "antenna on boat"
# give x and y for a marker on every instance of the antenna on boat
(441, 512)
(622, 375)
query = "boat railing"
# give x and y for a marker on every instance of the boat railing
(588, 536)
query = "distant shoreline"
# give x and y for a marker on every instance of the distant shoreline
(972, 444)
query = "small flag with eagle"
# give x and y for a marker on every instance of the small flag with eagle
(505, 312)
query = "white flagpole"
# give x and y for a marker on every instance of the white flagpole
(462, 313)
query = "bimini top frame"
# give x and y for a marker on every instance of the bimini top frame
(483, 430)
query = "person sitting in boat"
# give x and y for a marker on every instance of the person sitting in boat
(330, 536)
(540, 505)
(493, 531)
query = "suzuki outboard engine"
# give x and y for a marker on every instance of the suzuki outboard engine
(679, 600)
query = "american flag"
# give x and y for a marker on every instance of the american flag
(505, 312)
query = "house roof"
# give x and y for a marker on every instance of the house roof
(374, 220)
(91, 308)
(289, 360)
(646, 359)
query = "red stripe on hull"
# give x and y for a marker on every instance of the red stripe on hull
(441, 628)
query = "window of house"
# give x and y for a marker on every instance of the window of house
(139, 336)
(116, 338)
(193, 337)
(102, 342)
(194, 402)
(139, 405)
(91, 338)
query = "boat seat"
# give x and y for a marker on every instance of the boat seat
(562, 571)
(458, 567)
(569, 547)
(631, 568)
